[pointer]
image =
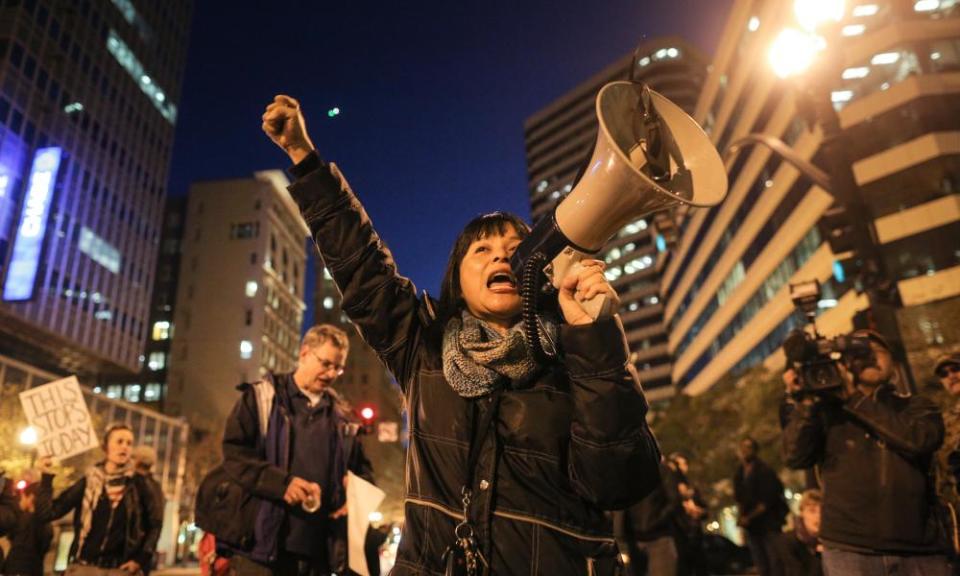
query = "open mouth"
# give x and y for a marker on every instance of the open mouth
(502, 281)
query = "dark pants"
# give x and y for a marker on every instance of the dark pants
(287, 565)
(765, 548)
(656, 557)
(844, 563)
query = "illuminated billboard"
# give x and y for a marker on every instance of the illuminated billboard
(28, 242)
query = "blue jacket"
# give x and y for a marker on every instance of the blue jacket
(256, 455)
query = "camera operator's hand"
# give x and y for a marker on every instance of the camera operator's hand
(284, 124)
(791, 382)
(849, 382)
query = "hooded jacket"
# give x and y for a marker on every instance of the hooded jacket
(561, 449)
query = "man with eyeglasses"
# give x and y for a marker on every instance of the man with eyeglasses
(283, 443)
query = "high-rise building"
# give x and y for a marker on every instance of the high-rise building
(149, 386)
(897, 93)
(88, 101)
(240, 294)
(560, 138)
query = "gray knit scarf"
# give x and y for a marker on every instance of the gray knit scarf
(477, 359)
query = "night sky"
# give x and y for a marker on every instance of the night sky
(433, 96)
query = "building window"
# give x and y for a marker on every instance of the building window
(157, 361)
(244, 230)
(249, 317)
(114, 391)
(132, 393)
(246, 349)
(152, 392)
(99, 250)
(161, 330)
(251, 288)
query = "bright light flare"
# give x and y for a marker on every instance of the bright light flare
(28, 436)
(366, 413)
(792, 52)
(812, 13)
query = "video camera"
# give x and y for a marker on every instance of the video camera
(816, 358)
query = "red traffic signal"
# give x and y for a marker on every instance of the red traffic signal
(367, 413)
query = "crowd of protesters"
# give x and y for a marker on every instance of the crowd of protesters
(117, 509)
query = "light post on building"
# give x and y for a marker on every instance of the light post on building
(802, 55)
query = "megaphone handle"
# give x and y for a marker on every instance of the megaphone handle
(568, 262)
(599, 305)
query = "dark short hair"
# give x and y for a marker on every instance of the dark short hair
(113, 428)
(494, 223)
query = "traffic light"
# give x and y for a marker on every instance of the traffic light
(368, 415)
(837, 229)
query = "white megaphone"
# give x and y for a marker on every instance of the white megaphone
(650, 155)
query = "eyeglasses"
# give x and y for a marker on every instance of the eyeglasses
(327, 365)
(948, 369)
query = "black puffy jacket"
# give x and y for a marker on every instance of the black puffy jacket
(560, 452)
(873, 454)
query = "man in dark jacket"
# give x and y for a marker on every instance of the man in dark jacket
(759, 495)
(648, 528)
(874, 450)
(284, 445)
(28, 533)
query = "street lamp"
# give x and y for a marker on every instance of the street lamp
(28, 437)
(795, 53)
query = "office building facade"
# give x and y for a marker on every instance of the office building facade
(726, 287)
(88, 100)
(240, 294)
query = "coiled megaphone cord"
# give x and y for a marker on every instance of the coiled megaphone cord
(529, 299)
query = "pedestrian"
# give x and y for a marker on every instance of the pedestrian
(873, 448)
(516, 453)
(144, 458)
(758, 492)
(649, 528)
(24, 526)
(116, 523)
(947, 370)
(801, 546)
(692, 559)
(283, 444)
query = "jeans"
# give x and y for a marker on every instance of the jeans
(846, 563)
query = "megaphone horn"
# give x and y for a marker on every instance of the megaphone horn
(649, 155)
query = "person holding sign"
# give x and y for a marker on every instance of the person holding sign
(116, 523)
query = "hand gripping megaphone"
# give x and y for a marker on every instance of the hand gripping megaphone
(650, 155)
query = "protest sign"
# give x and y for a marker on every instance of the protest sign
(58, 412)
(362, 499)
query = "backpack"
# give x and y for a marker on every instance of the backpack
(223, 507)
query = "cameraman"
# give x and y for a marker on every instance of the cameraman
(873, 449)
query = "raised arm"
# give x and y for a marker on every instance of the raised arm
(382, 304)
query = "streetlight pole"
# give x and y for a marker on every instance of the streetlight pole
(815, 92)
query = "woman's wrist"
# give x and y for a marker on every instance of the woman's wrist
(298, 153)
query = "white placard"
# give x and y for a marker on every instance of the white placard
(362, 499)
(58, 412)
